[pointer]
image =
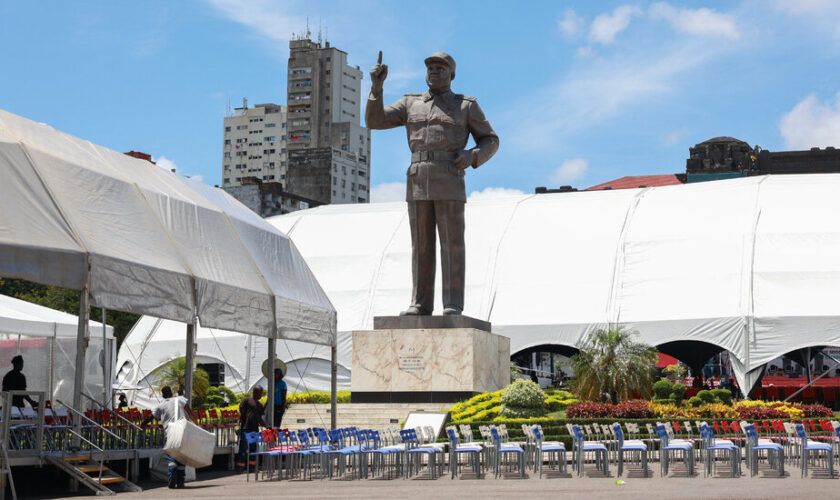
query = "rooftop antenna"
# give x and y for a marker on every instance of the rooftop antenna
(245, 102)
(319, 30)
(227, 108)
(308, 33)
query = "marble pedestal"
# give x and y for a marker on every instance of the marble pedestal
(430, 365)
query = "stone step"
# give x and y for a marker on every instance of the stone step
(375, 415)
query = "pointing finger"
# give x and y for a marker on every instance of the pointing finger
(379, 61)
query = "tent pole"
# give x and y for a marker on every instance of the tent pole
(333, 384)
(51, 395)
(105, 384)
(190, 359)
(81, 347)
(269, 381)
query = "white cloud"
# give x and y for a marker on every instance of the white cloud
(494, 192)
(268, 18)
(584, 51)
(606, 27)
(569, 171)
(387, 192)
(165, 163)
(571, 25)
(812, 123)
(696, 21)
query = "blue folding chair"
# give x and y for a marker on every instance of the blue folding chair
(256, 439)
(754, 448)
(686, 449)
(473, 452)
(808, 448)
(414, 452)
(556, 452)
(502, 449)
(580, 447)
(387, 457)
(712, 445)
(634, 447)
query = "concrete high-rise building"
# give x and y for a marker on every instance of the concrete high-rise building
(328, 149)
(254, 145)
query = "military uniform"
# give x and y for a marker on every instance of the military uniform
(438, 126)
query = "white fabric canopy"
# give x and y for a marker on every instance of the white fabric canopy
(46, 339)
(155, 242)
(750, 265)
(154, 342)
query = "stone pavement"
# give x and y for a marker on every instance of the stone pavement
(222, 484)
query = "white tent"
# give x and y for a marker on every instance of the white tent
(749, 265)
(46, 339)
(153, 342)
(134, 237)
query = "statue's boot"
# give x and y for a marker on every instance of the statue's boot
(415, 311)
(452, 311)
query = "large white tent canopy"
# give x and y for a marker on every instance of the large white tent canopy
(749, 265)
(145, 240)
(134, 237)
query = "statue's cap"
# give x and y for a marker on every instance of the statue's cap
(444, 58)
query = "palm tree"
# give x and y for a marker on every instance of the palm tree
(610, 362)
(174, 375)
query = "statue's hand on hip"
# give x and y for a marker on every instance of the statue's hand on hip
(378, 74)
(465, 158)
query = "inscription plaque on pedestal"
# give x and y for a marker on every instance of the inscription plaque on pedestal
(427, 364)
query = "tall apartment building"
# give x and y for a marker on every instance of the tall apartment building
(254, 145)
(328, 149)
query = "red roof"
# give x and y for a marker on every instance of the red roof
(635, 181)
(665, 360)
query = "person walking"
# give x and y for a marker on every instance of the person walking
(168, 412)
(250, 419)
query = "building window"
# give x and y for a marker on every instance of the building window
(362, 173)
(335, 181)
(270, 125)
(227, 154)
(227, 180)
(333, 192)
(227, 142)
(227, 129)
(242, 127)
(328, 98)
(269, 138)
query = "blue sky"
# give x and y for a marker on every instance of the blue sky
(579, 92)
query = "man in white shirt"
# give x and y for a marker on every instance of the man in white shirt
(171, 410)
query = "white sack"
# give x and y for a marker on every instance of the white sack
(189, 444)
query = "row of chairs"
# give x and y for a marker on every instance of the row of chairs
(351, 453)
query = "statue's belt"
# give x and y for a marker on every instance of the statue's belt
(433, 156)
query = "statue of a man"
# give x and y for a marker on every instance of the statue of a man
(438, 124)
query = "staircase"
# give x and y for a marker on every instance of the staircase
(361, 415)
(92, 474)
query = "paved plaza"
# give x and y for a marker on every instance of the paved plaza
(223, 484)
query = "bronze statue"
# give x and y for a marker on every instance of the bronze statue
(438, 124)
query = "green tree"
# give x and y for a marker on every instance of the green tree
(66, 300)
(611, 362)
(174, 375)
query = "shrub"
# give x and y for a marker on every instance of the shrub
(636, 408)
(724, 395)
(714, 410)
(675, 372)
(678, 392)
(706, 396)
(662, 389)
(695, 401)
(669, 410)
(559, 394)
(523, 394)
(665, 401)
(316, 397)
(588, 410)
(816, 411)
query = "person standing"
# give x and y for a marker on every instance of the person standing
(438, 123)
(168, 412)
(280, 390)
(250, 419)
(15, 380)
